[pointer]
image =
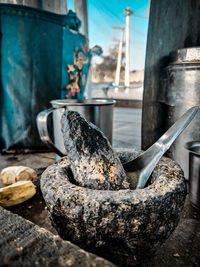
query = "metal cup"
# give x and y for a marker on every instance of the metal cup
(194, 172)
(97, 111)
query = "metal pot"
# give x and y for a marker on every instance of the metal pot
(181, 92)
(194, 172)
(97, 111)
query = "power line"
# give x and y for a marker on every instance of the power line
(140, 16)
(138, 32)
(100, 25)
(138, 42)
(110, 11)
(105, 13)
(101, 28)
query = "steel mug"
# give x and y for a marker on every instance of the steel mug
(97, 111)
(194, 172)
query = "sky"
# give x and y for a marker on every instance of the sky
(104, 14)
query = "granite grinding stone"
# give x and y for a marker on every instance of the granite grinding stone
(92, 159)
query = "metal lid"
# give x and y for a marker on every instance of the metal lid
(193, 147)
(184, 55)
(82, 102)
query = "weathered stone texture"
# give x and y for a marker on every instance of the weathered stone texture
(92, 160)
(24, 244)
(124, 226)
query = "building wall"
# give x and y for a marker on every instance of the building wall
(56, 6)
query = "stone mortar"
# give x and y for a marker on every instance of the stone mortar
(124, 226)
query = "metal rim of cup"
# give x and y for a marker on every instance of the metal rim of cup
(81, 102)
(191, 146)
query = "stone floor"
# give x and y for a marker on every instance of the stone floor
(183, 246)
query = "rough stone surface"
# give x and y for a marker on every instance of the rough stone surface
(25, 244)
(124, 226)
(92, 160)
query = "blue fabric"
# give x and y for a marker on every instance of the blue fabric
(37, 52)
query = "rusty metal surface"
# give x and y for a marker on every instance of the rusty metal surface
(173, 24)
(180, 91)
(186, 55)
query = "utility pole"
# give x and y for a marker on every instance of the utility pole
(128, 13)
(119, 58)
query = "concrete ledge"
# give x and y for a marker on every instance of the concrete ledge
(129, 103)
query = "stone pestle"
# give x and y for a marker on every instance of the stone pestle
(92, 159)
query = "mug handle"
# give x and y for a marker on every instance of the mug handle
(41, 121)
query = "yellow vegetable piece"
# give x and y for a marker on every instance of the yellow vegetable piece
(16, 193)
